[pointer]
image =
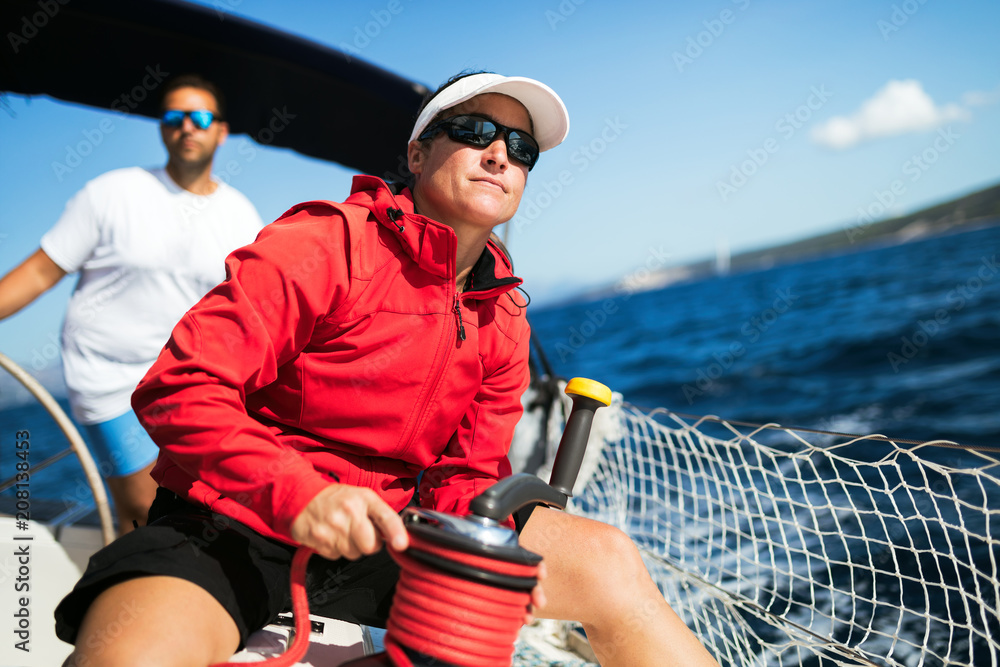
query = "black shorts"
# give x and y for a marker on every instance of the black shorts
(246, 572)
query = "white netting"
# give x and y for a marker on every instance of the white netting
(781, 551)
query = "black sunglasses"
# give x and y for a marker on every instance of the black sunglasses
(481, 132)
(201, 118)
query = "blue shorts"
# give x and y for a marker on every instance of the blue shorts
(121, 445)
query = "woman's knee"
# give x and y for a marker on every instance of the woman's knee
(619, 563)
(606, 558)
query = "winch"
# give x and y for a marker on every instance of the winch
(465, 583)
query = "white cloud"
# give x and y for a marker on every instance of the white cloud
(897, 108)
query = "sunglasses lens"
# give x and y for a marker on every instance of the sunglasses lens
(472, 131)
(522, 148)
(201, 119)
(172, 118)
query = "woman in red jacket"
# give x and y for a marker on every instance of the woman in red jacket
(354, 349)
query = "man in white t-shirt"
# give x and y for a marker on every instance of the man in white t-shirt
(148, 244)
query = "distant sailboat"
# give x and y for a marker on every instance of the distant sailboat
(722, 256)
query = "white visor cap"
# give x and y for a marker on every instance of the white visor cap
(548, 113)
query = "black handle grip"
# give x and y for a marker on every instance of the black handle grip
(587, 397)
(512, 493)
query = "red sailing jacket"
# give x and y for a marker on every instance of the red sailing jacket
(339, 349)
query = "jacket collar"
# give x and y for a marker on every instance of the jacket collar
(430, 243)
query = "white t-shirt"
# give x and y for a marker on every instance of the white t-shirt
(147, 250)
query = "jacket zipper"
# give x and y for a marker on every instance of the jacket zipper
(439, 371)
(458, 316)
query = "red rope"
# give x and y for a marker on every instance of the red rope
(300, 610)
(455, 620)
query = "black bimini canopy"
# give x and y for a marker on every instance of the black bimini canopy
(282, 90)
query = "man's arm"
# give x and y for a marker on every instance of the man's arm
(27, 282)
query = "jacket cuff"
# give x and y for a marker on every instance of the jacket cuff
(300, 493)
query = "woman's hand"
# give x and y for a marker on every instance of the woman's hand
(345, 521)
(537, 597)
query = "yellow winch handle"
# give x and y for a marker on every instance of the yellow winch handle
(587, 396)
(589, 388)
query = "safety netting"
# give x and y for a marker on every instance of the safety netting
(781, 547)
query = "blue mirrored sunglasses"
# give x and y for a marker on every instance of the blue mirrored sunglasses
(201, 118)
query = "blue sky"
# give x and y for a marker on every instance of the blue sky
(736, 122)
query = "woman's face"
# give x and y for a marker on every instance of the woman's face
(463, 185)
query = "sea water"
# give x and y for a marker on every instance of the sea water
(901, 340)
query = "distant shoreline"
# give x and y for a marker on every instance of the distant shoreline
(969, 212)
